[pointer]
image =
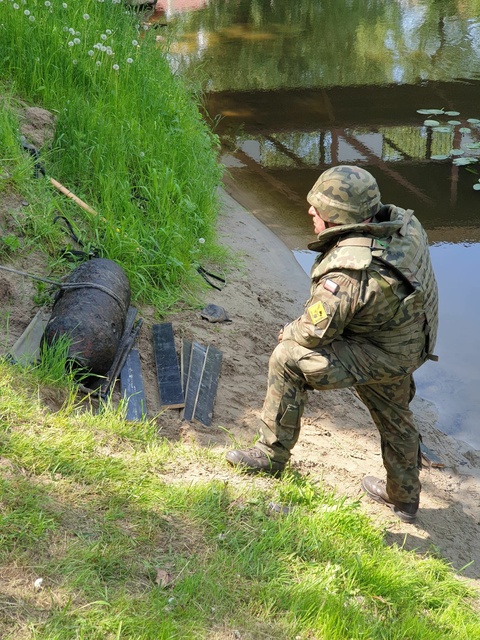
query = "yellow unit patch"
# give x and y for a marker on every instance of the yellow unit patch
(317, 312)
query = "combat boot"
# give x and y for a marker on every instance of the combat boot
(254, 461)
(377, 490)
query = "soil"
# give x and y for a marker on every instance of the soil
(339, 443)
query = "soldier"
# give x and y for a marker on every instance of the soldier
(370, 321)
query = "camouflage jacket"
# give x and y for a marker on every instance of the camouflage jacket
(372, 286)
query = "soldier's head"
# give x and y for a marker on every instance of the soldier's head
(344, 195)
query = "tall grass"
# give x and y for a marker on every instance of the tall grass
(129, 139)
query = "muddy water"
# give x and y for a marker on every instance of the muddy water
(294, 88)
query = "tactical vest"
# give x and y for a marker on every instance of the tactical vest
(401, 245)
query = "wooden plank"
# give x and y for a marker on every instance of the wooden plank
(27, 348)
(203, 411)
(132, 387)
(430, 457)
(168, 372)
(113, 372)
(197, 363)
(185, 355)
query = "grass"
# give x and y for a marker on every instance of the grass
(130, 546)
(129, 140)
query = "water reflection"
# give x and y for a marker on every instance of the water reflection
(294, 88)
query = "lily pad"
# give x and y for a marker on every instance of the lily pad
(476, 187)
(454, 122)
(430, 112)
(473, 120)
(452, 113)
(464, 129)
(462, 162)
(442, 129)
(439, 157)
(457, 152)
(431, 123)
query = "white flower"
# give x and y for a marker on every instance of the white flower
(91, 52)
(86, 16)
(135, 43)
(71, 31)
(76, 40)
(109, 51)
(26, 12)
(71, 43)
(129, 60)
(103, 37)
(31, 18)
(201, 240)
(141, 154)
(103, 48)
(115, 67)
(64, 5)
(48, 3)
(74, 61)
(15, 6)
(98, 63)
(108, 32)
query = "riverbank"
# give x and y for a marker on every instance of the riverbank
(339, 443)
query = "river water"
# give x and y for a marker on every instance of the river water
(293, 88)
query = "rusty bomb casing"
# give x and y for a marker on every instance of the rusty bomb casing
(91, 310)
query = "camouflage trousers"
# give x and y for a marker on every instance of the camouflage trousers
(293, 370)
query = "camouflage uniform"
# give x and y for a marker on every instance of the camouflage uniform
(370, 321)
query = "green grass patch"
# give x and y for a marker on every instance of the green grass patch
(128, 547)
(129, 141)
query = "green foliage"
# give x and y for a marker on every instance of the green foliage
(129, 546)
(129, 139)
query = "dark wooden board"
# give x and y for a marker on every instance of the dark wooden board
(203, 411)
(431, 457)
(195, 371)
(168, 372)
(133, 392)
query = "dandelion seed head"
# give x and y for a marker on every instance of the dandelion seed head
(26, 12)
(135, 43)
(103, 48)
(91, 52)
(71, 31)
(86, 16)
(98, 63)
(16, 6)
(109, 51)
(65, 29)
(71, 43)
(142, 154)
(108, 32)
(48, 3)
(103, 37)
(31, 18)
(74, 61)
(129, 60)
(64, 5)
(115, 67)
(201, 241)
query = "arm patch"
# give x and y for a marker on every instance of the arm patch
(317, 312)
